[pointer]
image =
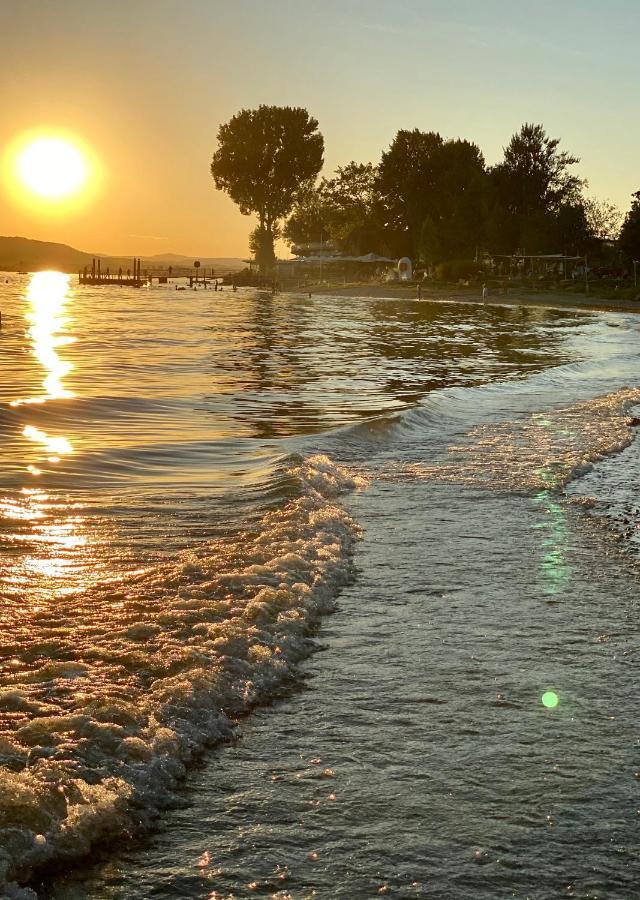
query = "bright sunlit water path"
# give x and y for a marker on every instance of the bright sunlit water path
(189, 482)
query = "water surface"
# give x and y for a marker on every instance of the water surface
(191, 480)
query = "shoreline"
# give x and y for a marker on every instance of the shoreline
(448, 294)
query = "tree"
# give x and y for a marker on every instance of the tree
(407, 176)
(570, 233)
(429, 245)
(461, 200)
(344, 209)
(308, 221)
(433, 193)
(261, 246)
(629, 241)
(603, 219)
(353, 208)
(528, 189)
(264, 157)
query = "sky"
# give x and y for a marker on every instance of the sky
(145, 84)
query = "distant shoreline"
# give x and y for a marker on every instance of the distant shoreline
(450, 294)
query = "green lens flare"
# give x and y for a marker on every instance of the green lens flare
(550, 699)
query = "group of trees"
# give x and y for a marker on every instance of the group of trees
(430, 198)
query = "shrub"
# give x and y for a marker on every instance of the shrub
(455, 269)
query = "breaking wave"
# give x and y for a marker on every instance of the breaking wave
(543, 451)
(105, 696)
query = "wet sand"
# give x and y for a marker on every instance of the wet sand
(514, 297)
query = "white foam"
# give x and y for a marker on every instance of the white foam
(101, 710)
(543, 451)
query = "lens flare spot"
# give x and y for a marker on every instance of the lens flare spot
(550, 699)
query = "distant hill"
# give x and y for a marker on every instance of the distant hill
(18, 254)
(218, 262)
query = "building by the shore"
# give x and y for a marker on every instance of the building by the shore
(323, 260)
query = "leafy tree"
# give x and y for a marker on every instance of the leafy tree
(408, 174)
(344, 209)
(603, 219)
(353, 208)
(433, 193)
(461, 199)
(264, 157)
(429, 246)
(629, 241)
(261, 246)
(309, 219)
(528, 188)
(569, 230)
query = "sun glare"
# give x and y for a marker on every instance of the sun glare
(51, 167)
(51, 172)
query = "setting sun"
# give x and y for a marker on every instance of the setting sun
(51, 172)
(52, 168)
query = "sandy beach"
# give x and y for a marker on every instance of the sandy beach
(515, 297)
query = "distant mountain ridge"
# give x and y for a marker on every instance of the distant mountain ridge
(178, 259)
(19, 253)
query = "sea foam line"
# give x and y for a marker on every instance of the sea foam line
(106, 697)
(543, 451)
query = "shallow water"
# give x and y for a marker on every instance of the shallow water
(162, 570)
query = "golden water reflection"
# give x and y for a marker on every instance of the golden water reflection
(50, 546)
(48, 540)
(47, 297)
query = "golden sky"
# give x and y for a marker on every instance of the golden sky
(144, 85)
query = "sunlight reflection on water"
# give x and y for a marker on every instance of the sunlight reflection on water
(47, 297)
(55, 534)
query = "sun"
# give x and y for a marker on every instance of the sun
(50, 172)
(52, 168)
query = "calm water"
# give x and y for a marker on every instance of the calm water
(191, 481)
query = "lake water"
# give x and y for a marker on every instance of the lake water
(193, 481)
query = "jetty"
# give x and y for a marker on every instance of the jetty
(96, 275)
(136, 277)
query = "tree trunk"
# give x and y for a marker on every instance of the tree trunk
(265, 255)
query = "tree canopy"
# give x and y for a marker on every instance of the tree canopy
(343, 209)
(630, 232)
(529, 188)
(433, 195)
(429, 197)
(264, 157)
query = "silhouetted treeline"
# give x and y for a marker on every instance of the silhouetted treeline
(436, 200)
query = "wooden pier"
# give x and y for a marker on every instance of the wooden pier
(96, 275)
(136, 277)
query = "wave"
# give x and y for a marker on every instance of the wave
(454, 410)
(106, 696)
(539, 452)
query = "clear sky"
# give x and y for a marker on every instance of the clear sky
(145, 84)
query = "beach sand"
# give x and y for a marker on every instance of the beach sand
(455, 294)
